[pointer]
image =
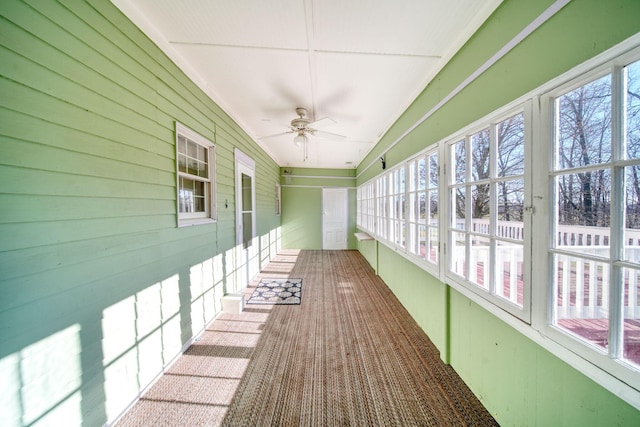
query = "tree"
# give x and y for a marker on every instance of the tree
(584, 140)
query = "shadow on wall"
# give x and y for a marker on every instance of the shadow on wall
(90, 372)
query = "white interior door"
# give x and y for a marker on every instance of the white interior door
(335, 211)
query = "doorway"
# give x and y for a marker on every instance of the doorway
(245, 199)
(335, 212)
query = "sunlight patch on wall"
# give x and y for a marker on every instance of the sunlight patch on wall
(265, 246)
(141, 335)
(196, 281)
(41, 383)
(204, 281)
(230, 269)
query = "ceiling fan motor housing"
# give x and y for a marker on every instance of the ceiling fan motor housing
(302, 121)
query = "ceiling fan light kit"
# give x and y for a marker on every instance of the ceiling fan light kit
(300, 139)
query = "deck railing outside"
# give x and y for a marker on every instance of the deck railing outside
(583, 284)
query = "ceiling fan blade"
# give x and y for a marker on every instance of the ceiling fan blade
(276, 135)
(327, 135)
(326, 121)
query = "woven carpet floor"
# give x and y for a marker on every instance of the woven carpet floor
(348, 355)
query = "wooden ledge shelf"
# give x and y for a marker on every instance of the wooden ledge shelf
(363, 236)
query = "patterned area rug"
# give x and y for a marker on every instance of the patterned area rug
(277, 291)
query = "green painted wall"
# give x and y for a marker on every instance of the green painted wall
(100, 289)
(301, 218)
(518, 381)
(302, 205)
(420, 293)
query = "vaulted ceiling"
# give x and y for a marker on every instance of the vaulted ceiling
(357, 64)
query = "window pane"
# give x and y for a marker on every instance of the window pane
(203, 169)
(459, 160)
(433, 171)
(199, 204)
(583, 211)
(182, 144)
(633, 110)
(202, 154)
(480, 155)
(459, 207)
(582, 303)
(584, 128)
(422, 212)
(511, 146)
(182, 163)
(433, 208)
(413, 207)
(421, 242)
(458, 257)
(480, 267)
(412, 241)
(510, 209)
(420, 174)
(509, 270)
(192, 196)
(247, 197)
(631, 332)
(192, 149)
(433, 244)
(413, 175)
(480, 208)
(632, 215)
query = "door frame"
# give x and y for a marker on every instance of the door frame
(247, 166)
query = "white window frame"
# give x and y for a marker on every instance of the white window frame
(209, 214)
(278, 199)
(621, 379)
(449, 183)
(595, 355)
(378, 213)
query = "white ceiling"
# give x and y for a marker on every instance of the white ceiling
(359, 62)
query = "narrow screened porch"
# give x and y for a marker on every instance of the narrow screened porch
(348, 354)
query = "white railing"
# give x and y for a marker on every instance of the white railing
(583, 284)
(569, 235)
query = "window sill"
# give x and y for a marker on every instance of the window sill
(199, 221)
(362, 236)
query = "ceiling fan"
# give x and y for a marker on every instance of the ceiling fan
(302, 127)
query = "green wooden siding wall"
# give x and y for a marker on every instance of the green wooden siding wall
(520, 382)
(100, 289)
(302, 205)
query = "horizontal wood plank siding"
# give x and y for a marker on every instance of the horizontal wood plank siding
(89, 239)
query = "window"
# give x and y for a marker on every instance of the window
(396, 206)
(595, 222)
(540, 212)
(422, 221)
(400, 207)
(366, 207)
(487, 200)
(278, 200)
(195, 164)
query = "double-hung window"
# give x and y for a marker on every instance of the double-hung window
(595, 218)
(195, 165)
(486, 229)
